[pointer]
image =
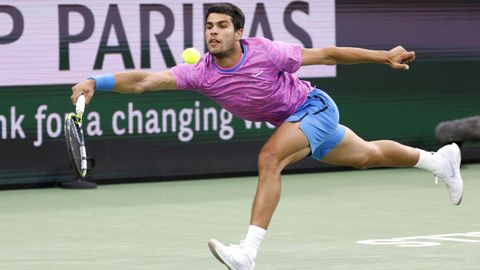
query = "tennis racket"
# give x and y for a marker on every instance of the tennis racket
(74, 139)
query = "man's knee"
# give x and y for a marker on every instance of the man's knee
(369, 158)
(268, 159)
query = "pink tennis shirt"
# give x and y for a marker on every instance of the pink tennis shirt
(260, 87)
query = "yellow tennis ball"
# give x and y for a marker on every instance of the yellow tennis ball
(191, 56)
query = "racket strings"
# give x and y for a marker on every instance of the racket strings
(75, 143)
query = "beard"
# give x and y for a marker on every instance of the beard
(224, 53)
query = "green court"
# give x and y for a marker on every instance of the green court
(318, 223)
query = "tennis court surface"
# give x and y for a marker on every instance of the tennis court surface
(374, 219)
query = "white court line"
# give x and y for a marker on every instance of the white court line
(426, 241)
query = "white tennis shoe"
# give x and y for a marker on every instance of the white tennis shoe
(233, 256)
(451, 174)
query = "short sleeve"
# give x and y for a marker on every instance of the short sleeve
(186, 76)
(286, 56)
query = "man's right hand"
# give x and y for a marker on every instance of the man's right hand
(86, 87)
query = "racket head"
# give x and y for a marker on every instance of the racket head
(76, 144)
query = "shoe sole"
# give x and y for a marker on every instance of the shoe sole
(211, 246)
(457, 169)
(460, 201)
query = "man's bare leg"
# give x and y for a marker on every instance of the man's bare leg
(444, 164)
(355, 152)
(287, 145)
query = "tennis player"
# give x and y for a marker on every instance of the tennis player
(254, 79)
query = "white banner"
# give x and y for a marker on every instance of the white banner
(65, 41)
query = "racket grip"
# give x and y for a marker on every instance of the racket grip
(80, 105)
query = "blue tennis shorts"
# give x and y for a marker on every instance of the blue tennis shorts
(319, 121)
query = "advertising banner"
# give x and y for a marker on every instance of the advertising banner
(61, 41)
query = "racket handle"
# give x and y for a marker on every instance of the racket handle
(80, 105)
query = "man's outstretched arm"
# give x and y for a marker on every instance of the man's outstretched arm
(397, 57)
(128, 82)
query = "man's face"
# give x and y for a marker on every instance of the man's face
(220, 34)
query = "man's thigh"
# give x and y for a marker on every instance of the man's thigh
(288, 144)
(350, 151)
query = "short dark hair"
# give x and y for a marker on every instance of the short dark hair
(238, 18)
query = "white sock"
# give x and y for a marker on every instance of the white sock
(431, 161)
(252, 241)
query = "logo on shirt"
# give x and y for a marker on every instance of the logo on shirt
(258, 74)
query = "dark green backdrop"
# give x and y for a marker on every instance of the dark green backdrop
(375, 101)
